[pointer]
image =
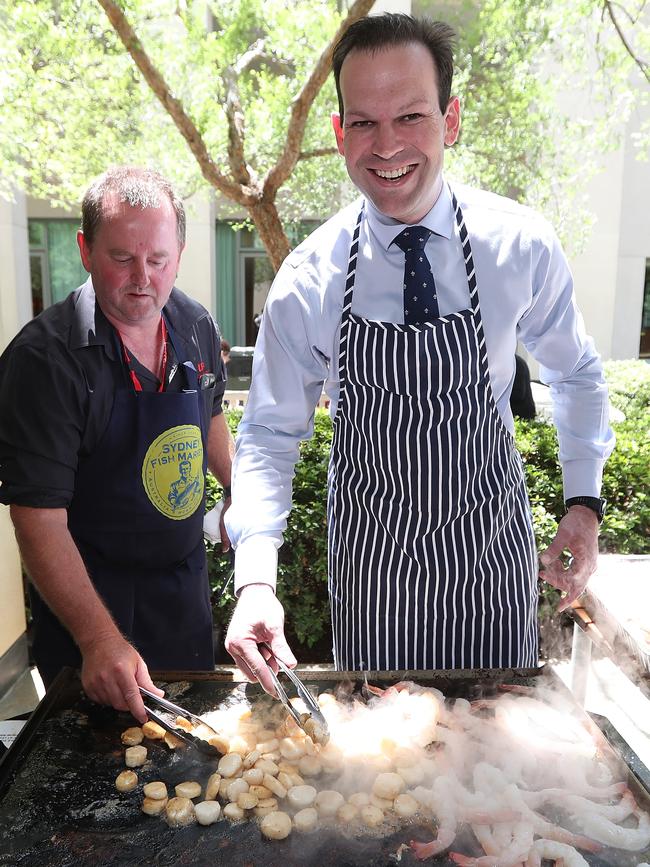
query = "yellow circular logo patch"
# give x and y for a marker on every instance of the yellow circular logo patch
(172, 471)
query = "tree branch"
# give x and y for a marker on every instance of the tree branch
(631, 18)
(235, 191)
(257, 55)
(643, 66)
(240, 169)
(318, 152)
(303, 102)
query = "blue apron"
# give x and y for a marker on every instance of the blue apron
(137, 519)
(432, 560)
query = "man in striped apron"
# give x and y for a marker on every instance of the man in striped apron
(432, 560)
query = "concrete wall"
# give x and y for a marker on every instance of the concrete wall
(595, 270)
(610, 273)
(15, 310)
(196, 275)
(633, 251)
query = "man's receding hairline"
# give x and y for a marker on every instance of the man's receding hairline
(133, 186)
(112, 201)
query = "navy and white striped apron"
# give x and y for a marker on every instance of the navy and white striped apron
(432, 560)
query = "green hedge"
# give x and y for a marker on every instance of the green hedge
(302, 574)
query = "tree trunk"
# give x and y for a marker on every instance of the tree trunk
(269, 226)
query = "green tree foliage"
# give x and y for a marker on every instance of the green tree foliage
(538, 80)
(72, 99)
(219, 105)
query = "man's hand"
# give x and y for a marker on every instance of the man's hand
(577, 533)
(258, 617)
(112, 673)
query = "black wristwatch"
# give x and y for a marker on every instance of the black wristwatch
(596, 504)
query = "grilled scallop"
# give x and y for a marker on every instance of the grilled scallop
(126, 781)
(276, 826)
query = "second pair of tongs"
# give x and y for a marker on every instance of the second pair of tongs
(169, 709)
(313, 723)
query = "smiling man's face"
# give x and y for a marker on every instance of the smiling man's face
(393, 134)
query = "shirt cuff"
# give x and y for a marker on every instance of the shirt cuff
(256, 562)
(582, 478)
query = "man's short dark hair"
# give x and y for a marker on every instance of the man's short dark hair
(376, 32)
(139, 187)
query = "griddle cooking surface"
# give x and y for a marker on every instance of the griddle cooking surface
(59, 806)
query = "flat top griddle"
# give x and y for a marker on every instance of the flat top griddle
(59, 806)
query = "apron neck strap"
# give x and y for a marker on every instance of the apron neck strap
(135, 381)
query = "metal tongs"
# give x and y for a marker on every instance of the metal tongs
(313, 710)
(170, 709)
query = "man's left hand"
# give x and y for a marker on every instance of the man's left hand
(577, 533)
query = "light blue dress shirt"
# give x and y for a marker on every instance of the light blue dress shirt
(525, 294)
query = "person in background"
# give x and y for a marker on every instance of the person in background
(407, 307)
(106, 399)
(225, 352)
(522, 403)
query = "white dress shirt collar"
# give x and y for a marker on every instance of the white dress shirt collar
(439, 220)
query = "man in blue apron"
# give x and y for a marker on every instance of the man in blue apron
(110, 407)
(407, 307)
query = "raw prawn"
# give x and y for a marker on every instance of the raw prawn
(579, 805)
(573, 774)
(449, 813)
(484, 860)
(490, 780)
(508, 845)
(603, 829)
(552, 850)
(600, 821)
(381, 691)
(442, 804)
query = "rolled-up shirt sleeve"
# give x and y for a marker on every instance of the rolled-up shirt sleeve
(288, 374)
(554, 333)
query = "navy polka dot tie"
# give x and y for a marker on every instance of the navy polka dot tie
(420, 300)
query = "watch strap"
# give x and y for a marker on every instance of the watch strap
(596, 504)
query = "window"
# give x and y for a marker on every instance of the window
(644, 343)
(55, 266)
(244, 276)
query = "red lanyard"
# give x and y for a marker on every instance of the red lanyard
(137, 385)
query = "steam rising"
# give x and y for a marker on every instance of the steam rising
(521, 767)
